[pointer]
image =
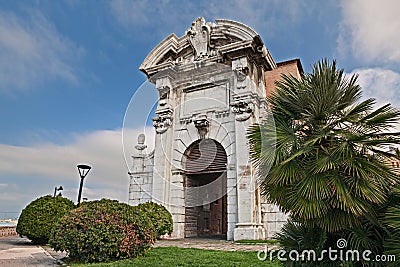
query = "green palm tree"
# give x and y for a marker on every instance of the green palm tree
(329, 166)
(299, 237)
(391, 220)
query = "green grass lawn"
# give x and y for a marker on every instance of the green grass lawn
(173, 256)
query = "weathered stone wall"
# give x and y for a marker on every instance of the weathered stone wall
(273, 219)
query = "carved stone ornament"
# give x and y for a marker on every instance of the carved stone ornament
(201, 123)
(241, 73)
(163, 92)
(263, 109)
(199, 37)
(140, 145)
(242, 110)
(162, 121)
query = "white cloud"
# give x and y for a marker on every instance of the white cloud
(165, 17)
(32, 51)
(151, 15)
(381, 84)
(49, 165)
(263, 16)
(370, 31)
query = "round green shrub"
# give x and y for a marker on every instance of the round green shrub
(40, 216)
(103, 230)
(158, 215)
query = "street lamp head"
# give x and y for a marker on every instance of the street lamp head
(83, 170)
(60, 188)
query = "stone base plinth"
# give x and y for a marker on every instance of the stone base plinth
(248, 231)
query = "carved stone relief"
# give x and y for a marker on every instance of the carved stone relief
(163, 92)
(163, 120)
(201, 123)
(199, 38)
(241, 75)
(242, 110)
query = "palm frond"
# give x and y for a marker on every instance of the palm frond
(324, 158)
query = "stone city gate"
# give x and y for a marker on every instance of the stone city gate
(212, 85)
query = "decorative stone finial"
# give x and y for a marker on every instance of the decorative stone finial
(141, 139)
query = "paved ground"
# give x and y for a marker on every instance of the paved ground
(213, 244)
(20, 252)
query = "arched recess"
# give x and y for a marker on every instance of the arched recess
(205, 164)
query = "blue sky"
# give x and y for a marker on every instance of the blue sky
(68, 70)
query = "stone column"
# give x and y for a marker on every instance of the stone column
(232, 204)
(243, 172)
(243, 106)
(247, 226)
(177, 203)
(159, 170)
(163, 124)
(139, 176)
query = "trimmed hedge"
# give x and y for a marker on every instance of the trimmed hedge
(40, 216)
(103, 230)
(158, 215)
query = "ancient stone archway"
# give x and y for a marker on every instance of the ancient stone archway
(205, 163)
(212, 84)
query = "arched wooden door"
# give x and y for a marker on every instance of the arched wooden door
(205, 189)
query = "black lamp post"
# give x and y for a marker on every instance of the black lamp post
(83, 171)
(57, 189)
